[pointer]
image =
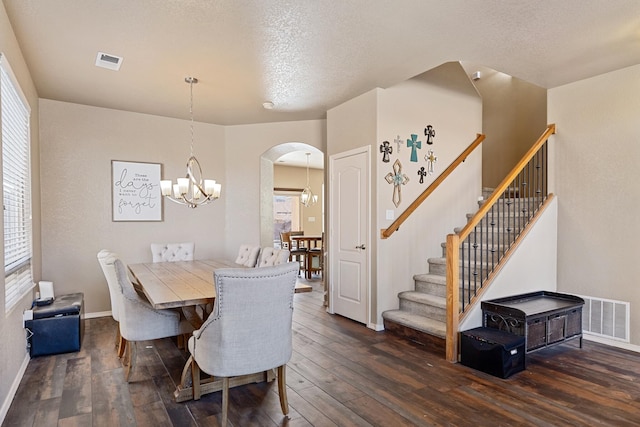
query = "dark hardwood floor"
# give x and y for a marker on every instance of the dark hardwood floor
(341, 374)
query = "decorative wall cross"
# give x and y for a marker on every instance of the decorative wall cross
(397, 178)
(386, 149)
(430, 133)
(415, 145)
(431, 159)
(398, 141)
(422, 173)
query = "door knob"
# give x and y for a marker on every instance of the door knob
(361, 247)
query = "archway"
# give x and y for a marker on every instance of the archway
(267, 159)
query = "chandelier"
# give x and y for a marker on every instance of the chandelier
(192, 190)
(307, 198)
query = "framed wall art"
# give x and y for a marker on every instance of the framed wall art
(135, 191)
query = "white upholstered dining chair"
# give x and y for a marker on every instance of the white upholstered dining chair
(107, 260)
(272, 256)
(248, 255)
(169, 252)
(139, 321)
(249, 330)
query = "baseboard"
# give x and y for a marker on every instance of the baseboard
(376, 327)
(97, 314)
(612, 343)
(14, 388)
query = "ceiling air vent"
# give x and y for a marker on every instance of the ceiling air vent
(108, 61)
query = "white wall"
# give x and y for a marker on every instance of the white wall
(244, 147)
(14, 354)
(595, 176)
(352, 125)
(78, 144)
(444, 98)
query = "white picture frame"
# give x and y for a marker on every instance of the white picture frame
(135, 191)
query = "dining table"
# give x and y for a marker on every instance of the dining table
(188, 285)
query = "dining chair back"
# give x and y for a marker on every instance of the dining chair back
(139, 321)
(250, 329)
(248, 255)
(272, 256)
(296, 253)
(168, 252)
(107, 260)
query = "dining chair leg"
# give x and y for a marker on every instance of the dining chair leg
(122, 346)
(130, 359)
(195, 380)
(225, 400)
(118, 337)
(282, 389)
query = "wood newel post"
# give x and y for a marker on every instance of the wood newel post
(453, 296)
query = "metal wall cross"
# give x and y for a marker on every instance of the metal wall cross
(386, 149)
(398, 141)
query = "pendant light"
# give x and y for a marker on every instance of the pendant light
(192, 190)
(307, 198)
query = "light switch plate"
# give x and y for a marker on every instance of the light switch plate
(390, 214)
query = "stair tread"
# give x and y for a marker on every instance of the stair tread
(423, 298)
(430, 277)
(414, 321)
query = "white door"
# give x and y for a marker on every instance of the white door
(350, 235)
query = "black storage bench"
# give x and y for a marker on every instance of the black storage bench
(492, 351)
(57, 327)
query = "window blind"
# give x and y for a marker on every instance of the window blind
(16, 187)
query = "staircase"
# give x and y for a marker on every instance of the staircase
(421, 315)
(479, 249)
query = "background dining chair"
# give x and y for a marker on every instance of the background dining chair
(139, 321)
(315, 257)
(168, 252)
(107, 259)
(248, 255)
(272, 256)
(296, 253)
(249, 330)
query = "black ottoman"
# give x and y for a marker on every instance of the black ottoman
(57, 327)
(493, 351)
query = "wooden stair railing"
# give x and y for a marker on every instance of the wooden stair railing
(524, 188)
(387, 232)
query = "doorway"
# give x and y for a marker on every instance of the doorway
(350, 238)
(268, 160)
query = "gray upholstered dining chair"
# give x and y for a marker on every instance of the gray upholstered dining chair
(248, 255)
(107, 259)
(169, 252)
(272, 256)
(139, 321)
(249, 330)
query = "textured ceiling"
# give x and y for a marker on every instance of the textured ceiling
(306, 56)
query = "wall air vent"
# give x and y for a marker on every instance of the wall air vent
(606, 318)
(106, 60)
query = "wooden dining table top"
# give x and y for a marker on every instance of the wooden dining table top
(183, 283)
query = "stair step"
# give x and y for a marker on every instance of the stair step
(414, 321)
(434, 284)
(422, 304)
